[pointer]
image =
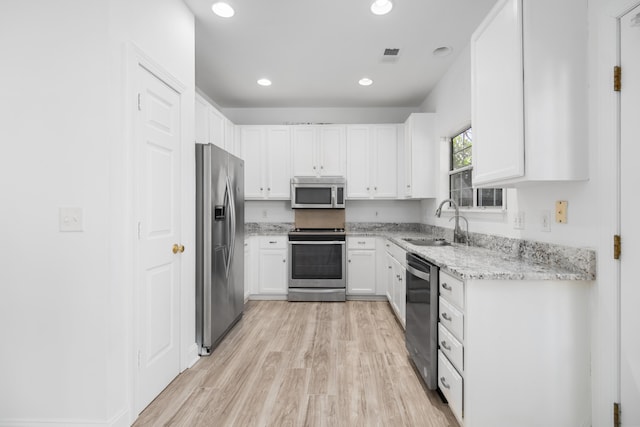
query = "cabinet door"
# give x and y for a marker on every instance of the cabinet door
(252, 138)
(278, 158)
(390, 280)
(401, 295)
(385, 180)
(202, 121)
(358, 153)
(361, 272)
(273, 271)
(216, 128)
(497, 95)
(229, 138)
(332, 150)
(303, 149)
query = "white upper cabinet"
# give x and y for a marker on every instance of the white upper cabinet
(202, 120)
(212, 127)
(266, 152)
(529, 93)
(372, 152)
(318, 150)
(420, 157)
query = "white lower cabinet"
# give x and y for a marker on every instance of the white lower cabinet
(272, 265)
(396, 276)
(450, 383)
(361, 266)
(514, 352)
(248, 270)
(450, 341)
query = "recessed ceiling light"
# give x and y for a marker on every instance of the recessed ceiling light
(442, 51)
(222, 9)
(365, 81)
(264, 82)
(381, 7)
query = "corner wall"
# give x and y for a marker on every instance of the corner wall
(65, 317)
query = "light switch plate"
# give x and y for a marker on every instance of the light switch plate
(561, 211)
(70, 219)
(545, 221)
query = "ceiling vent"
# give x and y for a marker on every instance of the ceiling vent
(390, 55)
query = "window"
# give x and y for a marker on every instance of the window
(460, 182)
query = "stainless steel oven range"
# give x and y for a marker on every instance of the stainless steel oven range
(317, 259)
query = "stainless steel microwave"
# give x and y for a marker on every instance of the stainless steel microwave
(310, 192)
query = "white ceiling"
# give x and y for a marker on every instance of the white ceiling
(316, 51)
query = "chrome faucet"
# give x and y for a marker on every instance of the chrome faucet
(457, 233)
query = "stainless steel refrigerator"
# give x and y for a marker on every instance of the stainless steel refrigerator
(219, 244)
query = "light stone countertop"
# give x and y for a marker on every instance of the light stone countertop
(470, 262)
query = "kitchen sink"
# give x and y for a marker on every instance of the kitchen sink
(427, 242)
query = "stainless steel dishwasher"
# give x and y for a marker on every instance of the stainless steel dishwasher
(421, 334)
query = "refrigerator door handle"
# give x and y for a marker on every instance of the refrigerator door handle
(232, 211)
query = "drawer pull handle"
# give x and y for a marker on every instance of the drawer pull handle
(445, 345)
(361, 243)
(446, 286)
(273, 242)
(443, 381)
(446, 317)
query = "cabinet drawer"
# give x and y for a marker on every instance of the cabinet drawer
(361, 243)
(450, 383)
(450, 347)
(452, 289)
(273, 242)
(396, 252)
(451, 318)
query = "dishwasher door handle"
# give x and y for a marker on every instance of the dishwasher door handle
(421, 274)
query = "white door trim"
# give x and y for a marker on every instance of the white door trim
(136, 57)
(605, 24)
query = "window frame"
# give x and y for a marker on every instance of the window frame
(474, 208)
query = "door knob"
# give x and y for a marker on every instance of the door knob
(177, 248)
(181, 248)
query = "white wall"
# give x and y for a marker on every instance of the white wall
(275, 116)
(451, 101)
(356, 211)
(592, 210)
(65, 321)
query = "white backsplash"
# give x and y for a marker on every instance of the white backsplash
(356, 211)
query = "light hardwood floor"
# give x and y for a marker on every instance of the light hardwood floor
(303, 364)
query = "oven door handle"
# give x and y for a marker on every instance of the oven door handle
(421, 274)
(318, 243)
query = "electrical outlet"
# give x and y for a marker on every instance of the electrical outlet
(265, 213)
(518, 221)
(545, 221)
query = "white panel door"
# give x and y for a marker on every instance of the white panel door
(385, 180)
(358, 162)
(303, 149)
(629, 224)
(497, 101)
(278, 159)
(158, 195)
(332, 150)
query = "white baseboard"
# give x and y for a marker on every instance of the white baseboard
(192, 355)
(366, 298)
(268, 297)
(121, 419)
